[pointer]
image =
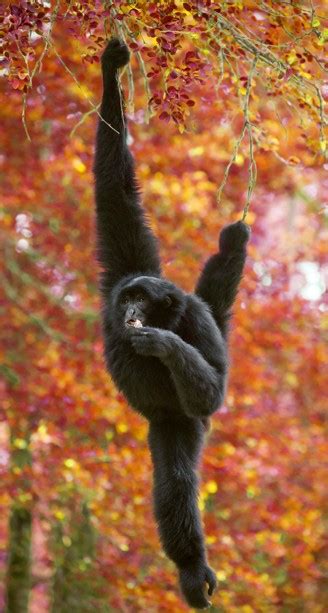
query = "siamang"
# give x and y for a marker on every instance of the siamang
(165, 349)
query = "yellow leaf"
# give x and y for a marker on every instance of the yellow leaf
(78, 165)
(138, 499)
(291, 379)
(291, 58)
(221, 575)
(211, 487)
(324, 34)
(19, 443)
(229, 449)
(196, 151)
(210, 539)
(24, 497)
(70, 463)
(59, 515)
(315, 23)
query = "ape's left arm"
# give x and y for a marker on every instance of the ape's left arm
(200, 385)
(219, 281)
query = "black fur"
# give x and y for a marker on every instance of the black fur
(173, 370)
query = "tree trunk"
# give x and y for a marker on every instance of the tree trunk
(18, 577)
(74, 583)
(20, 531)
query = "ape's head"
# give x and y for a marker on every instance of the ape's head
(149, 301)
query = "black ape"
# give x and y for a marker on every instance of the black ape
(165, 349)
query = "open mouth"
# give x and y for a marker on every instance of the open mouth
(134, 323)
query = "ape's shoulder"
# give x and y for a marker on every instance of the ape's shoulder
(198, 317)
(197, 308)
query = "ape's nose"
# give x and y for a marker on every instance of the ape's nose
(131, 316)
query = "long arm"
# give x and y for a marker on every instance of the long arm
(126, 244)
(218, 282)
(200, 386)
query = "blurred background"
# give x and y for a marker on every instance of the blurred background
(76, 525)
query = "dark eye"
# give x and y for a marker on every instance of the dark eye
(125, 300)
(167, 301)
(140, 298)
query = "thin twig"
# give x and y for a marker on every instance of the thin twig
(146, 84)
(247, 126)
(36, 68)
(90, 102)
(252, 169)
(259, 50)
(231, 161)
(24, 97)
(144, 74)
(130, 103)
(24, 122)
(82, 120)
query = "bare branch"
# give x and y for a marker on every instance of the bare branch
(82, 120)
(90, 102)
(247, 126)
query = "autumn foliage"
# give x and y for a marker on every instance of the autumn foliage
(227, 108)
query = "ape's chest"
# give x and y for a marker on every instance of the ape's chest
(145, 381)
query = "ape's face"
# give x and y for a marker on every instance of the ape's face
(147, 301)
(135, 308)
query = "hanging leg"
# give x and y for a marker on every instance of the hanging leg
(175, 447)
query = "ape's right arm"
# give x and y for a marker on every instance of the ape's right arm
(126, 245)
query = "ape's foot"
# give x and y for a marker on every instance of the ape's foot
(115, 55)
(234, 237)
(193, 580)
